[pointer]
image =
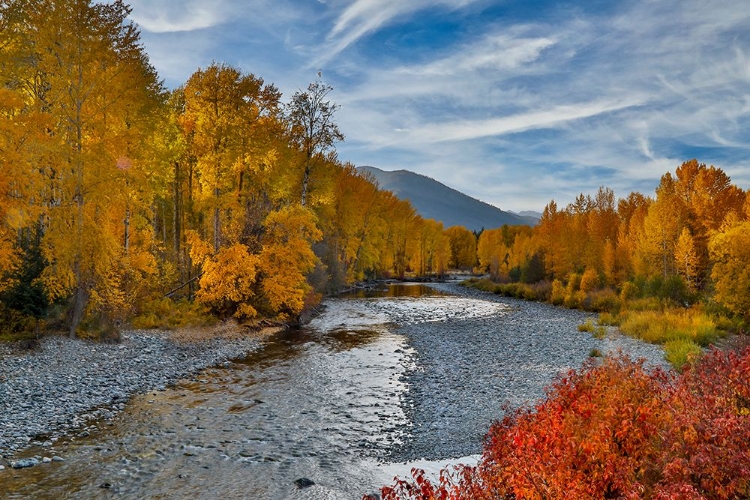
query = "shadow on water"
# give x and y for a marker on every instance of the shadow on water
(394, 290)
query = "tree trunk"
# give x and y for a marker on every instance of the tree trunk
(176, 210)
(217, 233)
(305, 179)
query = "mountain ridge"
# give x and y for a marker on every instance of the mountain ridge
(434, 200)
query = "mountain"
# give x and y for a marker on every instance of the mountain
(433, 200)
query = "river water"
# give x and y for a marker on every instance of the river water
(315, 414)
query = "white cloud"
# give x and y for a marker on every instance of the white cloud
(473, 129)
(175, 16)
(363, 17)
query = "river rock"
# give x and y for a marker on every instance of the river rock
(24, 463)
(59, 388)
(304, 482)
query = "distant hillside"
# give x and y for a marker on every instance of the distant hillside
(434, 200)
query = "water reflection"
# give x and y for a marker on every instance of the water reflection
(393, 290)
(310, 404)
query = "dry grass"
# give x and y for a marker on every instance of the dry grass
(227, 330)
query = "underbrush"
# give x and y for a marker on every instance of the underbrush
(166, 314)
(615, 430)
(539, 292)
(659, 319)
(659, 327)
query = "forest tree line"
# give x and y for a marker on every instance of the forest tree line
(690, 241)
(116, 193)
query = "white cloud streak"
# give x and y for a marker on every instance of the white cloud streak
(467, 130)
(172, 16)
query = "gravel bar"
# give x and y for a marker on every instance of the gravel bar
(64, 387)
(467, 369)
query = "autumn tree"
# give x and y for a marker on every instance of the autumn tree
(312, 128)
(355, 225)
(730, 251)
(286, 258)
(662, 228)
(708, 197)
(82, 66)
(223, 112)
(631, 212)
(463, 248)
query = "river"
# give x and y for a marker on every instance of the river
(330, 411)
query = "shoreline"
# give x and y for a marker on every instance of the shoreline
(66, 388)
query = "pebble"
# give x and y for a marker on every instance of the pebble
(65, 385)
(465, 369)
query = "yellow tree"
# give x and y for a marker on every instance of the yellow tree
(228, 279)
(399, 234)
(662, 227)
(709, 196)
(463, 248)
(730, 251)
(223, 112)
(551, 233)
(632, 212)
(22, 142)
(602, 228)
(686, 258)
(355, 224)
(493, 253)
(286, 259)
(84, 68)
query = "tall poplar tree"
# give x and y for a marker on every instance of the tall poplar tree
(83, 66)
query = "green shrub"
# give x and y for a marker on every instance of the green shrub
(164, 313)
(574, 300)
(630, 291)
(678, 352)
(658, 327)
(586, 326)
(599, 332)
(609, 319)
(557, 294)
(603, 300)
(595, 353)
(645, 304)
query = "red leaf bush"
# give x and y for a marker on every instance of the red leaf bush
(615, 430)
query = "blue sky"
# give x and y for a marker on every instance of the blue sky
(514, 103)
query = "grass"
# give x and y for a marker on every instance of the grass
(167, 314)
(586, 326)
(599, 332)
(673, 324)
(609, 319)
(681, 351)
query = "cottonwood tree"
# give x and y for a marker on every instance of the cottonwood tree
(82, 65)
(312, 128)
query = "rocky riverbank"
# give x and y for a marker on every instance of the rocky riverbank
(466, 369)
(64, 388)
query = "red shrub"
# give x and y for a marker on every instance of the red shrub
(616, 431)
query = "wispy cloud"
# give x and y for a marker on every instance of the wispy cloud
(474, 129)
(169, 16)
(486, 95)
(363, 17)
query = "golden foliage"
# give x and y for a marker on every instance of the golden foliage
(228, 282)
(286, 258)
